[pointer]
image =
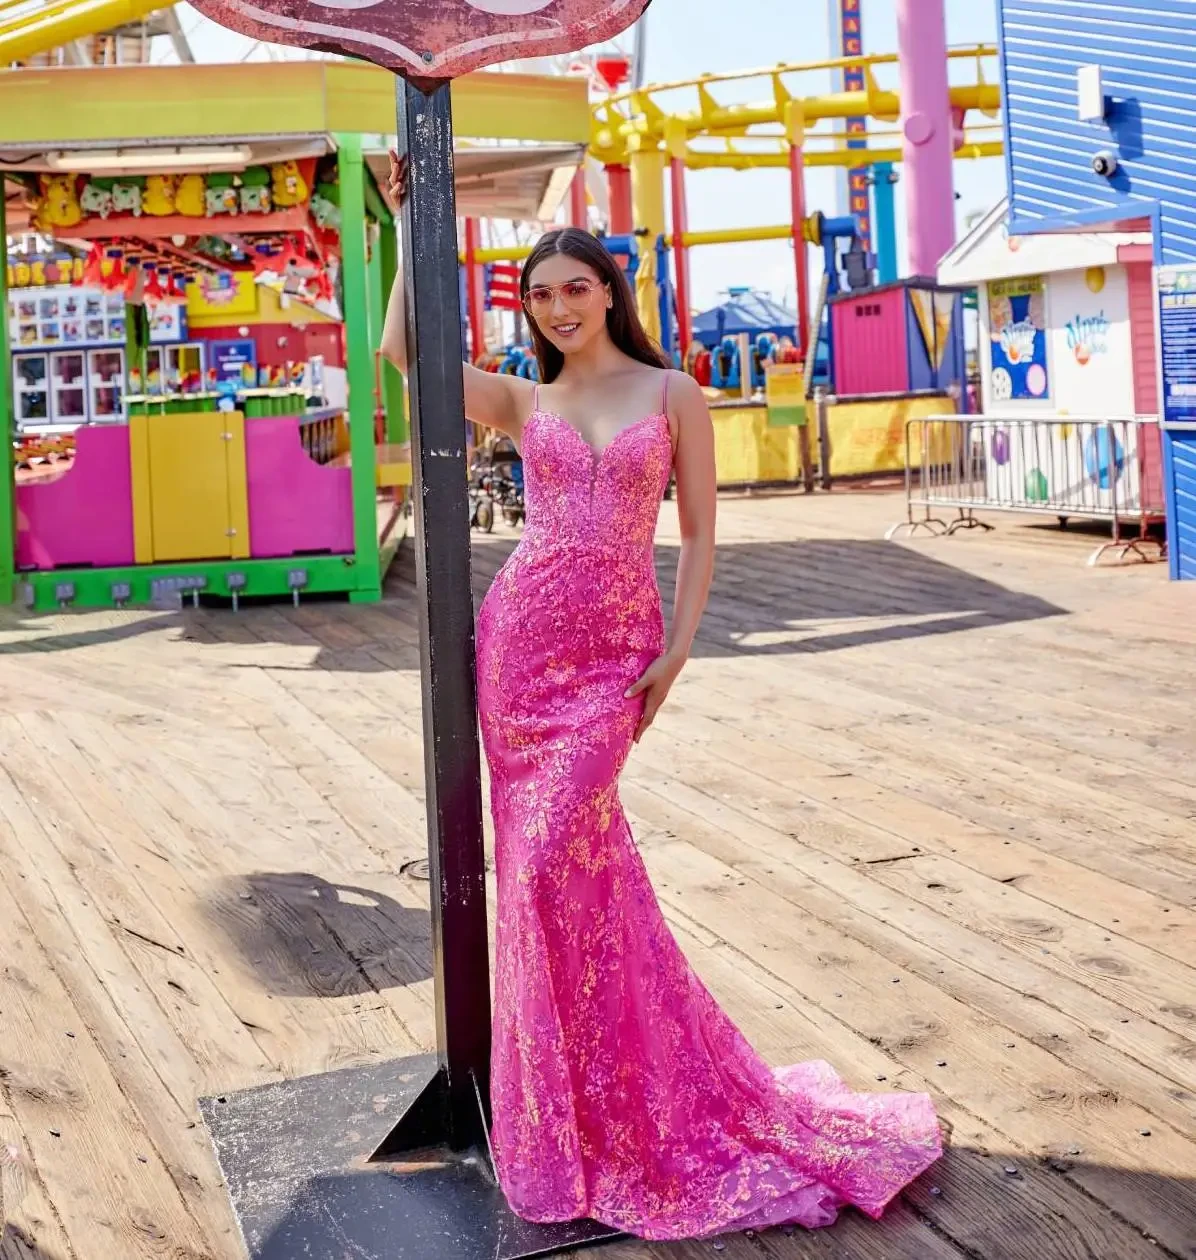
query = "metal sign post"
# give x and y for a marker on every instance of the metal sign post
(392, 1161)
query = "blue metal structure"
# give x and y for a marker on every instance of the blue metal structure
(884, 219)
(1098, 99)
(1146, 54)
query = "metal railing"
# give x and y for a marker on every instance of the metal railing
(1087, 467)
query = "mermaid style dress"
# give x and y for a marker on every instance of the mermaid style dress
(620, 1090)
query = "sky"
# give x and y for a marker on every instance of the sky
(686, 38)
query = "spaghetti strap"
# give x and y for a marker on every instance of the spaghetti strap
(536, 398)
(664, 402)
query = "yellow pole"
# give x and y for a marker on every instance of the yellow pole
(720, 236)
(736, 236)
(499, 253)
(43, 29)
(647, 188)
(647, 210)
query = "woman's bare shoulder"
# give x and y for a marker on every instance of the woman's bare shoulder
(683, 390)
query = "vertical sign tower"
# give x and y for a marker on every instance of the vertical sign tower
(848, 36)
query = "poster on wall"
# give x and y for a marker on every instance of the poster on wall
(1177, 342)
(1091, 349)
(1018, 339)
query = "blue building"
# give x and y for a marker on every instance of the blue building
(1100, 105)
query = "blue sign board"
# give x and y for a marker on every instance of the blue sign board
(1177, 342)
(234, 361)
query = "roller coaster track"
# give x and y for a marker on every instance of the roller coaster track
(31, 27)
(687, 119)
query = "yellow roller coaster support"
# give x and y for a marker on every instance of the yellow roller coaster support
(735, 160)
(639, 119)
(647, 188)
(39, 30)
(721, 236)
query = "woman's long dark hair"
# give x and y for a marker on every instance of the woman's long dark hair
(622, 319)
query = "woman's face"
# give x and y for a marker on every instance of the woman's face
(568, 302)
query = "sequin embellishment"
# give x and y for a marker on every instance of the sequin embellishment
(620, 1089)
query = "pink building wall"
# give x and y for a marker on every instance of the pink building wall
(871, 352)
(1146, 381)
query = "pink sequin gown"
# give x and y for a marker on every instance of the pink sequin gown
(620, 1089)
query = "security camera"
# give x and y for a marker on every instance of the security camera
(1105, 163)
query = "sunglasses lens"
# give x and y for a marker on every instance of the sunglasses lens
(578, 294)
(575, 294)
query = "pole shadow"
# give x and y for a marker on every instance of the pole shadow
(300, 935)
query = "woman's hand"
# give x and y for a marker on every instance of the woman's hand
(654, 685)
(397, 181)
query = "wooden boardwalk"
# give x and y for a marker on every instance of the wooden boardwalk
(925, 810)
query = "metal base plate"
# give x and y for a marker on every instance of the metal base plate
(295, 1160)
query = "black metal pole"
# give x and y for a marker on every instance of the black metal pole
(460, 958)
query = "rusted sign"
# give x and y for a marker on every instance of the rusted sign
(429, 39)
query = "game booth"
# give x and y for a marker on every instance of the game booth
(197, 401)
(1067, 366)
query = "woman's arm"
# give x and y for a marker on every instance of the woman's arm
(498, 402)
(697, 500)
(697, 507)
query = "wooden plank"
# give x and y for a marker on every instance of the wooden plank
(964, 794)
(1036, 1101)
(1044, 1215)
(1137, 1058)
(112, 1188)
(288, 971)
(840, 779)
(29, 1226)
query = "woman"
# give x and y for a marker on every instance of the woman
(620, 1089)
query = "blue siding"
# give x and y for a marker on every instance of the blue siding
(1179, 457)
(1147, 51)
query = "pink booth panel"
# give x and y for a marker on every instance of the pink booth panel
(871, 354)
(84, 518)
(296, 506)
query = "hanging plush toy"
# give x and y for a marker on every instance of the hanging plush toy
(92, 273)
(135, 277)
(57, 204)
(153, 286)
(126, 197)
(221, 195)
(96, 199)
(190, 198)
(113, 268)
(290, 189)
(255, 191)
(325, 206)
(159, 195)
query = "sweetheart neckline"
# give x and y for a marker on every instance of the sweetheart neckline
(596, 457)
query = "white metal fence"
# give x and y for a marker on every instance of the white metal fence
(1086, 467)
